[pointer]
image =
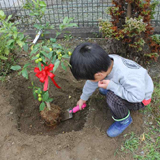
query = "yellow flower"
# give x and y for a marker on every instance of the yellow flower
(50, 49)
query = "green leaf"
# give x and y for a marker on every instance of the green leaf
(26, 65)
(45, 96)
(37, 46)
(25, 47)
(53, 40)
(72, 25)
(34, 51)
(38, 26)
(49, 100)
(55, 45)
(15, 68)
(46, 32)
(53, 59)
(56, 65)
(63, 66)
(58, 33)
(34, 94)
(43, 59)
(3, 58)
(33, 58)
(65, 20)
(50, 55)
(34, 14)
(66, 56)
(15, 35)
(61, 27)
(20, 36)
(20, 72)
(27, 6)
(45, 54)
(42, 106)
(39, 90)
(2, 15)
(67, 63)
(10, 42)
(20, 43)
(6, 51)
(42, 4)
(14, 28)
(25, 73)
(46, 48)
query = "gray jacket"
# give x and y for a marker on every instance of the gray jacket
(128, 80)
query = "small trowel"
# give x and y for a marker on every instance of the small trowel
(68, 114)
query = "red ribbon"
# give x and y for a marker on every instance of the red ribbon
(43, 75)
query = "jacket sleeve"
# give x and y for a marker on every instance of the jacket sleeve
(131, 89)
(88, 89)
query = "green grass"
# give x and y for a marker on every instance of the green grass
(131, 143)
(143, 147)
(147, 145)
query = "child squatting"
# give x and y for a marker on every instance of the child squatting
(126, 85)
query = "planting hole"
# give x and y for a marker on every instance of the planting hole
(29, 119)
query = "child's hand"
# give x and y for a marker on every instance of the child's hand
(103, 84)
(80, 103)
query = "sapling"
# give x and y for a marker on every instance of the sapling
(47, 56)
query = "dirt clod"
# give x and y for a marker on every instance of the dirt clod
(51, 117)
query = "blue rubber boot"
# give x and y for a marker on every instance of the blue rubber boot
(103, 91)
(119, 126)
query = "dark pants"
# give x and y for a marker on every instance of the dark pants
(119, 107)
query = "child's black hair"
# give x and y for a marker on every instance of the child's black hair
(88, 59)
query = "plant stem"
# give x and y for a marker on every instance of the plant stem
(48, 106)
(48, 103)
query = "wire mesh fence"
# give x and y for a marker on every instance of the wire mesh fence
(84, 12)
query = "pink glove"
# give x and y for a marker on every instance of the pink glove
(76, 109)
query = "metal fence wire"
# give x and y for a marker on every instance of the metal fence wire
(84, 12)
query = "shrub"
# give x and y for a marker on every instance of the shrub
(131, 27)
(10, 41)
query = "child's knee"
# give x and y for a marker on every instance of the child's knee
(113, 99)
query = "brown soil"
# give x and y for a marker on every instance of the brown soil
(25, 136)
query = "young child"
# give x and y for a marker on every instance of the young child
(126, 84)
